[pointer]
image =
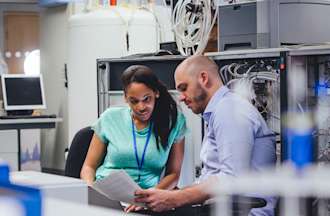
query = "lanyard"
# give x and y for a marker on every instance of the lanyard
(140, 163)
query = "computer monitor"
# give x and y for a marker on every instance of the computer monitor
(22, 92)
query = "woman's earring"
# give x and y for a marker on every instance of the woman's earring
(157, 96)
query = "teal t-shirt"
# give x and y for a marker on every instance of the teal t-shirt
(114, 128)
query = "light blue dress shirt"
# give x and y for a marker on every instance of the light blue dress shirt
(237, 140)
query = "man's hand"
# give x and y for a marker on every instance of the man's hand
(132, 208)
(157, 200)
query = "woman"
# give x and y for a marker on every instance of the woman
(142, 139)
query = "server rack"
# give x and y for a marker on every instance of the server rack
(314, 98)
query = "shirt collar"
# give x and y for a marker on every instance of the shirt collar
(218, 95)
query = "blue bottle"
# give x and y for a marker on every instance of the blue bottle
(300, 139)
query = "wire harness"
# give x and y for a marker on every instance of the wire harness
(258, 82)
(192, 22)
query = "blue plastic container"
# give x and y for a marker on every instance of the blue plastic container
(4, 172)
(300, 147)
(300, 142)
(29, 198)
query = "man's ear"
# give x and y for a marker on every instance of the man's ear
(203, 78)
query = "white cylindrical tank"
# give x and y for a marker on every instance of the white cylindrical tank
(102, 34)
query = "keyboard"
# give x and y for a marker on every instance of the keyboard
(27, 116)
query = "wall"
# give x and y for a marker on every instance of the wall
(53, 34)
(13, 7)
(53, 44)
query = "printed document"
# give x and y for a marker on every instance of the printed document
(118, 186)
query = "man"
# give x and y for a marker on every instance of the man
(237, 138)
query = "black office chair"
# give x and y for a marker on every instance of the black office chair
(78, 151)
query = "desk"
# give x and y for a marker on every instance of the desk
(56, 207)
(19, 124)
(53, 186)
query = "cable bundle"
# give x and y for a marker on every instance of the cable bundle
(192, 23)
(240, 77)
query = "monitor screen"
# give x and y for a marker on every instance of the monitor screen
(22, 92)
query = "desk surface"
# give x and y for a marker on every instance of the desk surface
(39, 179)
(53, 186)
(9, 124)
(55, 207)
(32, 120)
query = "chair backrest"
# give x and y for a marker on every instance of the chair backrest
(78, 151)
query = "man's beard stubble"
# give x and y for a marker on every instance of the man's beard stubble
(199, 99)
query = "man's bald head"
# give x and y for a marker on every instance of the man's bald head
(197, 63)
(197, 79)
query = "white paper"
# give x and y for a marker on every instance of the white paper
(118, 186)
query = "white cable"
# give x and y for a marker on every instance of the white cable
(250, 68)
(229, 69)
(243, 87)
(231, 82)
(237, 67)
(192, 29)
(222, 74)
(242, 83)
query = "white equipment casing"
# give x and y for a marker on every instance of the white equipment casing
(102, 33)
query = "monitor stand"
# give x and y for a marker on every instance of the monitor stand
(19, 112)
